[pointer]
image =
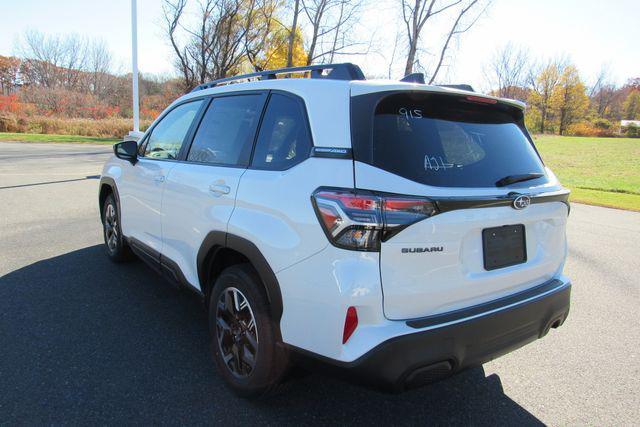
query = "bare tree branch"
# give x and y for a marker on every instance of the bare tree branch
(416, 14)
(329, 22)
(508, 71)
(454, 30)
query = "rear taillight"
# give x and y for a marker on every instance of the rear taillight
(360, 220)
(350, 220)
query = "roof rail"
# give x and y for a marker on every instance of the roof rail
(466, 87)
(346, 71)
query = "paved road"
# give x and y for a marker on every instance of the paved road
(85, 341)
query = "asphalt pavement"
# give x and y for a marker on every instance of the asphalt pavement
(85, 341)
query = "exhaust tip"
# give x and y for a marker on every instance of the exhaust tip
(428, 374)
(553, 324)
(557, 323)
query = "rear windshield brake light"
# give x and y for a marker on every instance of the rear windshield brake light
(481, 99)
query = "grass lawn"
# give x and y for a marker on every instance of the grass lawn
(35, 137)
(599, 171)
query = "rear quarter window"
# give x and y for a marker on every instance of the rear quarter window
(284, 139)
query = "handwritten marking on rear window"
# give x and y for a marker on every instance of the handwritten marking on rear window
(410, 113)
(433, 163)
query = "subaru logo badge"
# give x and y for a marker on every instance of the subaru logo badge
(521, 202)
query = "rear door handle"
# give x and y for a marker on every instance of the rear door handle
(158, 178)
(219, 189)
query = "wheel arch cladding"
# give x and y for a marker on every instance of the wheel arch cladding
(107, 186)
(220, 249)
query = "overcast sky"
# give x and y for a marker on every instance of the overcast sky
(590, 32)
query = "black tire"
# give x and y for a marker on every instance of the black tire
(114, 243)
(270, 361)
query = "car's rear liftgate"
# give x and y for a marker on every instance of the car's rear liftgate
(473, 160)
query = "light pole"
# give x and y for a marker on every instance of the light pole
(134, 64)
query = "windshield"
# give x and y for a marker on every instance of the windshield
(447, 141)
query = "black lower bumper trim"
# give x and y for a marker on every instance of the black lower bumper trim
(412, 360)
(497, 304)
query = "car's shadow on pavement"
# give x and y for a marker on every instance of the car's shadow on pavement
(83, 340)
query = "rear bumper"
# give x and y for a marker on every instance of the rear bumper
(418, 358)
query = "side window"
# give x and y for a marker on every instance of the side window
(284, 138)
(226, 132)
(168, 135)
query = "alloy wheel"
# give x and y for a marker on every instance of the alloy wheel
(236, 332)
(111, 227)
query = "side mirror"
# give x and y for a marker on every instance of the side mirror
(127, 150)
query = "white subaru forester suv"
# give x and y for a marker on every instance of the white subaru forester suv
(394, 231)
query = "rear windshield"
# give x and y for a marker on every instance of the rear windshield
(443, 140)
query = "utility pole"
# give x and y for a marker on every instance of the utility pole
(134, 64)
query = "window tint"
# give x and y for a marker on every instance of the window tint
(284, 138)
(225, 135)
(449, 141)
(168, 135)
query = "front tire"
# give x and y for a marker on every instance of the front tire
(245, 344)
(115, 245)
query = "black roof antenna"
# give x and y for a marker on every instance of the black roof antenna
(419, 78)
(413, 78)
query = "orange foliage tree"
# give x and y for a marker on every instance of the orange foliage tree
(9, 67)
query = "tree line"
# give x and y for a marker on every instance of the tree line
(71, 76)
(65, 84)
(558, 99)
(220, 38)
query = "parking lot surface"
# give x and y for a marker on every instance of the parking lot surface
(83, 340)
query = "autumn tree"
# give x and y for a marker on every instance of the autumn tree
(65, 61)
(508, 72)
(98, 67)
(632, 106)
(620, 96)
(569, 98)
(225, 36)
(265, 33)
(51, 60)
(602, 94)
(543, 85)
(279, 53)
(9, 68)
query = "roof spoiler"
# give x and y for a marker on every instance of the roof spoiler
(419, 78)
(466, 87)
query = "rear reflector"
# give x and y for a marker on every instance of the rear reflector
(350, 324)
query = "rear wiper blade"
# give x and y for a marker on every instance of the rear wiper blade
(512, 179)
